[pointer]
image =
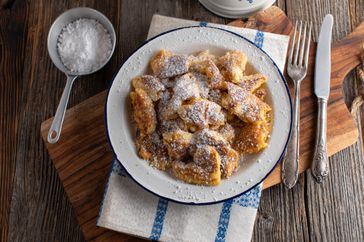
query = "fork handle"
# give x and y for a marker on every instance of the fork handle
(291, 160)
(320, 165)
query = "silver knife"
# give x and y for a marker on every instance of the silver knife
(320, 165)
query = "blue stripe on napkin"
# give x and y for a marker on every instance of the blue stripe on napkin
(159, 219)
(203, 24)
(116, 167)
(249, 199)
(223, 221)
(259, 39)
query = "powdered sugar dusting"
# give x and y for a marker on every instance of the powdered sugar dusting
(84, 45)
(171, 65)
(194, 110)
(186, 88)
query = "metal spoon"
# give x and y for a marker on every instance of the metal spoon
(55, 30)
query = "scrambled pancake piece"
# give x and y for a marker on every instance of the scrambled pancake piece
(207, 67)
(201, 113)
(228, 132)
(215, 115)
(251, 83)
(245, 105)
(206, 55)
(167, 82)
(232, 65)
(165, 64)
(215, 95)
(185, 88)
(198, 62)
(207, 137)
(201, 81)
(235, 121)
(177, 143)
(166, 126)
(151, 148)
(203, 170)
(164, 109)
(143, 109)
(229, 161)
(214, 78)
(150, 84)
(196, 115)
(252, 138)
(229, 157)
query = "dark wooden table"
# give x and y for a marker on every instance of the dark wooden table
(33, 205)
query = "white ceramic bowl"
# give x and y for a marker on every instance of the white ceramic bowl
(121, 132)
(236, 8)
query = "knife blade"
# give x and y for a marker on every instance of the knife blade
(323, 59)
(320, 166)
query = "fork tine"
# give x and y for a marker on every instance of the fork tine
(297, 44)
(302, 48)
(308, 45)
(292, 44)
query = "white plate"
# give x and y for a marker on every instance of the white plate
(120, 130)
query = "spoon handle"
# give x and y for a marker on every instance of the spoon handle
(55, 130)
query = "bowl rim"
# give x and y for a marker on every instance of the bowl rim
(250, 7)
(203, 203)
(234, 12)
(112, 34)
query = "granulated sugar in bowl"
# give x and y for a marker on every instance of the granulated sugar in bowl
(84, 45)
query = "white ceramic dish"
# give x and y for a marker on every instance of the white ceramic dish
(236, 8)
(121, 132)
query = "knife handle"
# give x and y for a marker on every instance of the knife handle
(320, 165)
(291, 160)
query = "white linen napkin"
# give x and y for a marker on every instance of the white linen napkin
(130, 209)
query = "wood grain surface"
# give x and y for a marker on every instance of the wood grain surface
(33, 203)
(79, 131)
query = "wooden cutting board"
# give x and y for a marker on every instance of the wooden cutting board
(82, 156)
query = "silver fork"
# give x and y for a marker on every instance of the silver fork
(297, 70)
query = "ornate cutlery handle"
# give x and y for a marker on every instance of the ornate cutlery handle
(291, 160)
(320, 165)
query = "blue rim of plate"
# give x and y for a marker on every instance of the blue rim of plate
(193, 203)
